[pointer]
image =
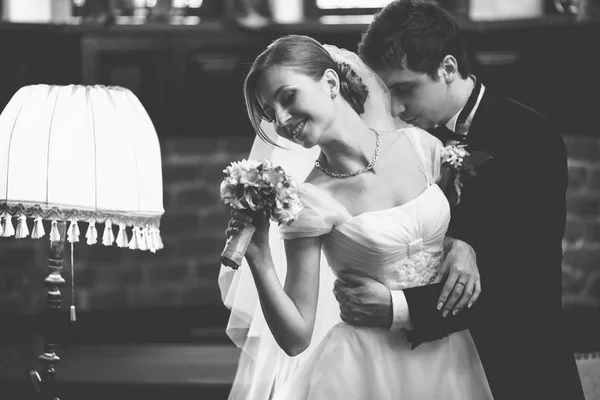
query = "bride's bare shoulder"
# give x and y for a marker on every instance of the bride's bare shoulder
(391, 138)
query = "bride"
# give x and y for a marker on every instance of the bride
(371, 206)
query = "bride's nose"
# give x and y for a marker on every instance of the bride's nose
(282, 116)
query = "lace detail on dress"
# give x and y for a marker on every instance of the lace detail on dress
(417, 270)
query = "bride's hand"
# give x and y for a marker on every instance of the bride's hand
(241, 219)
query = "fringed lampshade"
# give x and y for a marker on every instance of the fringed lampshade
(70, 155)
(80, 154)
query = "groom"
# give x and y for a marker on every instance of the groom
(513, 213)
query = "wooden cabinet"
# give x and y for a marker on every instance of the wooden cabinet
(40, 55)
(189, 78)
(208, 92)
(549, 67)
(140, 64)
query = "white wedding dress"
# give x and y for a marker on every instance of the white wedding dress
(400, 247)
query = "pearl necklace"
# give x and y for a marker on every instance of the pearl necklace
(359, 171)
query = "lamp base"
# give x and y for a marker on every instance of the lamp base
(34, 378)
(43, 381)
(37, 384)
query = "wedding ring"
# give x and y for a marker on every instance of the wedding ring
(462, 283)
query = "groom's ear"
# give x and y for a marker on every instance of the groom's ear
(449, 69)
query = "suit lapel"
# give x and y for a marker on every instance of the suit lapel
(482, 136)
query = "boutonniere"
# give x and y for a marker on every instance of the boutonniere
(459, 165)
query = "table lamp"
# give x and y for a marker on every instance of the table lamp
(77, 155)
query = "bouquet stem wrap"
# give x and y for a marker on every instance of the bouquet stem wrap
(236, 247)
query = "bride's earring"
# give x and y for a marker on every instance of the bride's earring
(333, 95)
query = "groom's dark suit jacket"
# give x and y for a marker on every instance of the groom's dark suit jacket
(513, 214)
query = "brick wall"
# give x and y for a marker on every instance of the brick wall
(184, 272)
(581, 244)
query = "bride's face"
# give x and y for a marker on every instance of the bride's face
(299, 107)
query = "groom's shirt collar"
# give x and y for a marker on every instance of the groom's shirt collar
(464, 128)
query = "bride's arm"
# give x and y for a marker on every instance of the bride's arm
(289, 310)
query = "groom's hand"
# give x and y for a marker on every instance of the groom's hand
(363, 301)
(463, 285)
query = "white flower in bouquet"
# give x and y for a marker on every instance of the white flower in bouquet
(257, 186)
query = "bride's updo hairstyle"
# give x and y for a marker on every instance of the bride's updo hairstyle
(306, 56)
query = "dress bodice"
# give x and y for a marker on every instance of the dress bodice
(400, 246)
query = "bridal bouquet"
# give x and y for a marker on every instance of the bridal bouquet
(257, 186)
(459, 165)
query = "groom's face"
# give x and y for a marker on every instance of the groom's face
(417, 98)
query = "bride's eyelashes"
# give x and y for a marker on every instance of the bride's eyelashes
(287, 100)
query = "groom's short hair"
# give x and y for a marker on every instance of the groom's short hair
(413, 34)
